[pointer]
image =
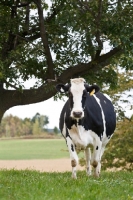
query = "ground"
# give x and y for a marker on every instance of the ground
(55, 165)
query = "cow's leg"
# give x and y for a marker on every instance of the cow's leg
(98, 168)
(101, 153)
(104, 143)
(73, 155)
(88, 159)
(96, 157)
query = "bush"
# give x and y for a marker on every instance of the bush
(119, 151)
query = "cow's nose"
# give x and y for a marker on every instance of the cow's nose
(77, 114)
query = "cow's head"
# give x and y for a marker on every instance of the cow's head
(77, 90)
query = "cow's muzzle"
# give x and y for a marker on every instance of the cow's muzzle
(77, 114)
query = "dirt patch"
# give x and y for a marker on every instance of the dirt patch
(55, 165)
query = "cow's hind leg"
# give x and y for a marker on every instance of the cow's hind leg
(96, 157)
(98, 168)
(88, 159)
(73, 155)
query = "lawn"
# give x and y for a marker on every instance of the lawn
(33, 149)
(32, 185)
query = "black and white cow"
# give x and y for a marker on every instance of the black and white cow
(87, 118)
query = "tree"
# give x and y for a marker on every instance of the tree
(56, 130)
(11, 126)
(43, 120)
(27, 127)
(36, 127)
(62, 43)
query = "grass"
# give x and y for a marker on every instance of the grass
(33, 149)
(32, 185)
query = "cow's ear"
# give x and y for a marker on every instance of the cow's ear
(62, 88)
(93, 89)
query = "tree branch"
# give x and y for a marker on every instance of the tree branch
(98, 34)
(85, 5)
(55, 12)
(97, 21)
(50, 65)
(84, 68)
(28, 96)
(11, 85)
(27, 18)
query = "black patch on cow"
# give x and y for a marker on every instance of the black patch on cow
(109, 113)
(84, 99)
(71, 103)
(72, 148)
(97, 148)
(92, 116)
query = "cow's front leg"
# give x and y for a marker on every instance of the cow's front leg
(73, 155)
(88, 159)
(96, 157)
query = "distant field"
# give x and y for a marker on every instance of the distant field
(33, 149)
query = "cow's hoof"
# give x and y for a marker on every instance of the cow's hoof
(74, 177)
(88, 171)
(96, 174)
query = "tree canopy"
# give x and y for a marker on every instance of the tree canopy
(56, 40)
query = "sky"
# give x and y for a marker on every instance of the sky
(50, 108)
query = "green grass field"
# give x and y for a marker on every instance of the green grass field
(32, 185)
(33, 149)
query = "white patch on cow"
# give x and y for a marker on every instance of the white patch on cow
(64, 126)
(73, 154)
(80, 137)
(62, 90)
(88, 161)
(78, 80)
(107, 97)
(77, 87)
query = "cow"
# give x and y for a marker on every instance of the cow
(87, 118)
